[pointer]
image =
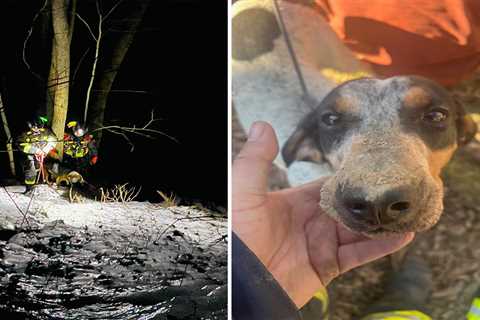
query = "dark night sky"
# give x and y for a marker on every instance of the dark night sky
(180, 59)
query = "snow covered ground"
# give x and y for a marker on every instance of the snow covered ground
(95, 260)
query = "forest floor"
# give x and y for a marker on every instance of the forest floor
(109, 260)
(450, 248)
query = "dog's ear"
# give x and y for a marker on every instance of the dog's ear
(466, 127)
(301, 145)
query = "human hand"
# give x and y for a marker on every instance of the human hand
(302, 247)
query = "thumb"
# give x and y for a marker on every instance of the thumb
(252, 166)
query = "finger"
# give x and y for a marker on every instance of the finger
(345, 236)
(252, 165)
(358, 253)
(322, 247)
(305, 198)
(308, 191)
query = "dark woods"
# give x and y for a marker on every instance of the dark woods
(165, 57)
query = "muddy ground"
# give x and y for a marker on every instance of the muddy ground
(451, 248)
(94, 260)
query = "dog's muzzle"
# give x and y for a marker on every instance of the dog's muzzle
(381, 190)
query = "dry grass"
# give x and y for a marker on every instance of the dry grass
(73, 196)
(119, 193)
(168, 200)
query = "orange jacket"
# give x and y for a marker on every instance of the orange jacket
(439, 39)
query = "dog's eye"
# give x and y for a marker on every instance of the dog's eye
(436, 115)
(330, 119)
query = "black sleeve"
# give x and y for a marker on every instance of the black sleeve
(256, 295)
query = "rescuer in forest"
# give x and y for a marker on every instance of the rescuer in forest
(36, 144)
(79, 148)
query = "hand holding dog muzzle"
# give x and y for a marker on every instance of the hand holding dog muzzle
(301, 246)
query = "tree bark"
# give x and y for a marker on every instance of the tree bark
(8, 136)
(46, 47)
(59, 77)
(109, 66)
(52, 83)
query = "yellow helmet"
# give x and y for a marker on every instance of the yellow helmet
(71, 124)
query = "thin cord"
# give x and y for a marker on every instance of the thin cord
(296, 65)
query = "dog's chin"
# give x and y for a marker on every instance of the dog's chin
(370, 231)
(377, 232)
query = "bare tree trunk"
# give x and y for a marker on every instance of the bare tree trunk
(53, 80)
(46, 47)
(71, 24)
(95, 61)
(52, 83)
(9, 137)
(109, 67)
(60, 69)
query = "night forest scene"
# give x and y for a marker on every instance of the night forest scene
(113, 159)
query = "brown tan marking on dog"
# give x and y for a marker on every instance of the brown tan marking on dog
(344, 105)
(417, 97)
(439, 159)
(386, 151)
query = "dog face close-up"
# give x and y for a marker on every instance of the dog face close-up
(387, 142)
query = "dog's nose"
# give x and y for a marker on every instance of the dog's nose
(386, 208)
(394, 210)
(361, 209)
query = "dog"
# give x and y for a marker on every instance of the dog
(386, 142)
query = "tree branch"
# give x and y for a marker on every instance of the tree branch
(111, 10)
(139, 131)
(87, 25)
(94, 67)
(79, 64)
(29, 34)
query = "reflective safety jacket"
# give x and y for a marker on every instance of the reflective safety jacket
(82, 147)
(41, 140)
